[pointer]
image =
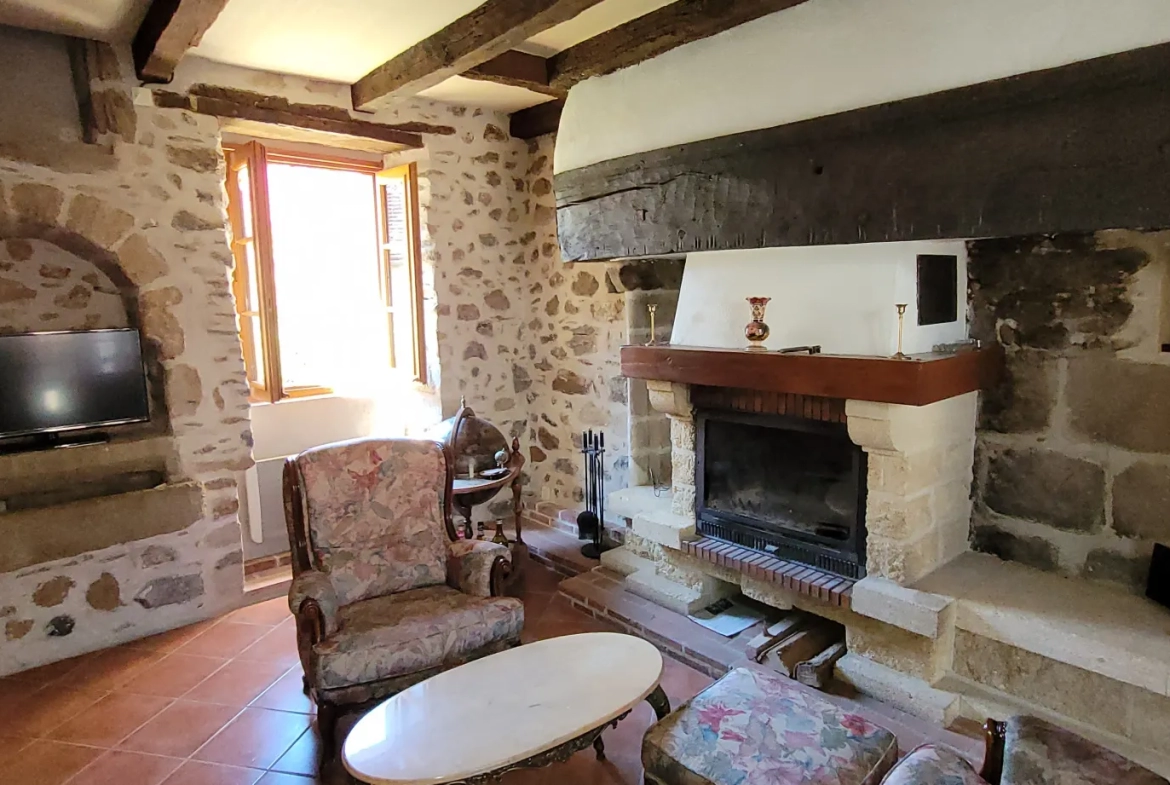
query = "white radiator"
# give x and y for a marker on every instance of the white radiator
(264, 505)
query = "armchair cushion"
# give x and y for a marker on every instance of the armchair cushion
(411, 631)
(469, 565)
(1039, 753)
(375, 507)
(931, 764)
(315, 585)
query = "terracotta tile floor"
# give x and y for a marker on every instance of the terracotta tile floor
(220, 703)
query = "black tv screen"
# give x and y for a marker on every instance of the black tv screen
(60, 381)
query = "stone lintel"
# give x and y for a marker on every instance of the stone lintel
(918, 612)
(47, 534)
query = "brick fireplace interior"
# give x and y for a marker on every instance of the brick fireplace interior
(786, 485)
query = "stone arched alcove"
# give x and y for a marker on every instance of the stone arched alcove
(90, 260)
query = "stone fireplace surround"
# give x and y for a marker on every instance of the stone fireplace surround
(934, 629)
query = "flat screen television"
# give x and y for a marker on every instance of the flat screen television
(61, 381)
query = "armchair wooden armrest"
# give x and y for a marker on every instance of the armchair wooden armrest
(478, 567)
(313, 602)
(994, 736)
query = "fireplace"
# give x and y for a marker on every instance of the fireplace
(788, 486)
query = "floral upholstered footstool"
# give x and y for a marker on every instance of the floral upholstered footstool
(754, 727)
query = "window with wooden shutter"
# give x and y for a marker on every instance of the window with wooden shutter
(311, 234)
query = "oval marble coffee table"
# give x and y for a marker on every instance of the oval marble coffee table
(530, 706)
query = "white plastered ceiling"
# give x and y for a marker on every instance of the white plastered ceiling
(335, 41)
(343, 40)
(103, 20)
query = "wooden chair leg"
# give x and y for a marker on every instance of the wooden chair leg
(327, 716)
(305, 684)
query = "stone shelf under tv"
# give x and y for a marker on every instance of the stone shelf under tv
(917, 381)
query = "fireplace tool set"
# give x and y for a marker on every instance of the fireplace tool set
(590, 522)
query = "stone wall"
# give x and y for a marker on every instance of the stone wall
(44, 287)
(570, 373)
(144, 207)
(1073, 465)
(579, 317)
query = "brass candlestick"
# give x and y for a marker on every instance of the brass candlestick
(651, 308)
(900, 355)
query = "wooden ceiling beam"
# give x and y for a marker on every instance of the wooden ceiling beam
(491, 29)
(537, 120)
(652, 34)
(170, 28)
(516, 69)
(233, 104)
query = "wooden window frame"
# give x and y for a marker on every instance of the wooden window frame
(255, 155)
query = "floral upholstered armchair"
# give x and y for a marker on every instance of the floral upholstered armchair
(382, 594)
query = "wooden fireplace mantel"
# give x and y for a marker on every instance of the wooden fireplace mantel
(922, 379)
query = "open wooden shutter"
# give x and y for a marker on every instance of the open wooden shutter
(247, 187)
(401, 268)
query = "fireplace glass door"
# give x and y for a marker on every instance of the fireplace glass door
(791, 487)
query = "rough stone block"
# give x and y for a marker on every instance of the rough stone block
(1023, 399)
(625, 562)
(1122, 403)
(650, 432)
(1047, 487)
(902, 561)
(675, 596)
(682, 433)
(1033, 551)
(665, 528)
(898, 517)
(911, 695)
(1050, 292)
(633, 501)
(1063, 688)
(682, 501)
(1141, 501)
(97, 221)
(1130, 572)
(171, 590)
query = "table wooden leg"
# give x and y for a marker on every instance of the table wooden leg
(659, 702)
(599, 748)
(465, 512)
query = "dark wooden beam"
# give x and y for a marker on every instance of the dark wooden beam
(652, 34)
(916, 382)
(170, 28)
(490, 30)
(79, 68)
(516, 69)
(537, 120)
(1070, 149)
(274, 110)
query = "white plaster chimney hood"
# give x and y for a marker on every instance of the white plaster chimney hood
(829, 56)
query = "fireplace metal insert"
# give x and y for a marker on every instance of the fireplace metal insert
(787, 486)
